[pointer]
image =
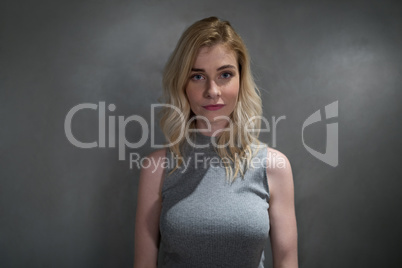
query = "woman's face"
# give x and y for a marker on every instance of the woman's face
(213, 86)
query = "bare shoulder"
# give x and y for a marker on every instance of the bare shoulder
(158, 154)
(154, 161)
(279, 171)
(277, 162)
(152, 170)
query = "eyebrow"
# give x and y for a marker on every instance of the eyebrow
(228, 66)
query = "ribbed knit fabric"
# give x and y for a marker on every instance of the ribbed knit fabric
(206, 221)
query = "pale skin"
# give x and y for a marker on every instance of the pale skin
(215, 80)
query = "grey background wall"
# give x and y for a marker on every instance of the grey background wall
(63, 206)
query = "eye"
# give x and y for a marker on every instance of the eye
(226, 75)
(197, 77)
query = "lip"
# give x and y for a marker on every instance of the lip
(213, 107)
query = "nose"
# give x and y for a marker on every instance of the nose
(213, 90)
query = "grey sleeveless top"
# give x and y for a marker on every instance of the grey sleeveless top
(207, 222)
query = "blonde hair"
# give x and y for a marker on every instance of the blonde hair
(248, 110)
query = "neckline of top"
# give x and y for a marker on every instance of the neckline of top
(201, 137)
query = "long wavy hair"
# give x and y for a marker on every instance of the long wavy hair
(248, 110)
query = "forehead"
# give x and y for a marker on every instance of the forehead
(215, 55)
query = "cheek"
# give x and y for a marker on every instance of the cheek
(234, 90)
(192, 97)
(189, 94)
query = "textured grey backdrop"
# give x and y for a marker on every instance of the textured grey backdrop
(62, 206)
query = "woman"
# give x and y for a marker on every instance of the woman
(224, 196)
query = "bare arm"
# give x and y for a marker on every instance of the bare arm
(148, 212)
(282, 211)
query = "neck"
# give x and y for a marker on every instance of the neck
(214, 128)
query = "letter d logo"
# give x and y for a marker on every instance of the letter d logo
(331, 151)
